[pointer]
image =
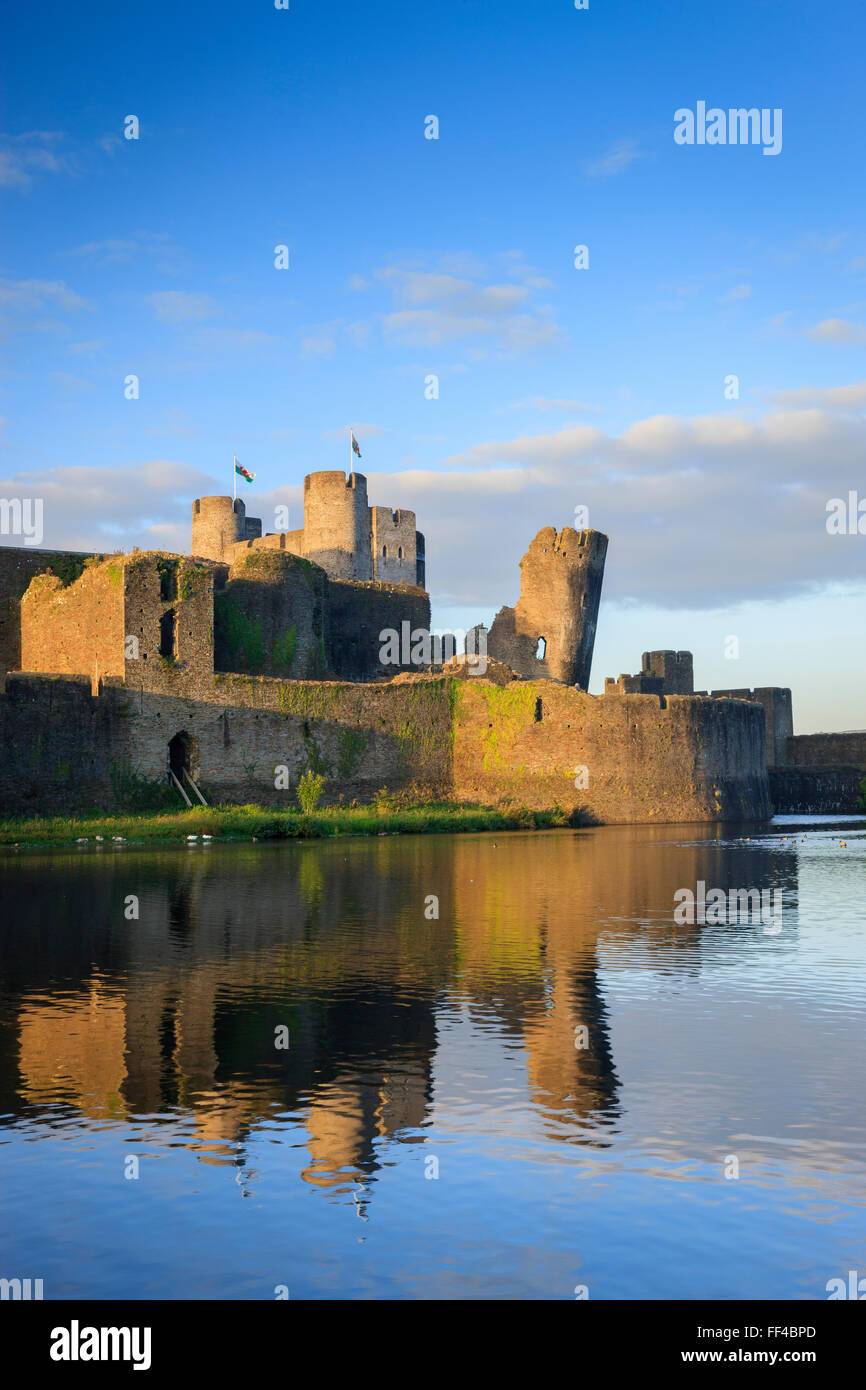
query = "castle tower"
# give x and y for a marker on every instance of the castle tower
(675, 670)
(218, 523)
(551, 630)
(393, 540)
(337, 524)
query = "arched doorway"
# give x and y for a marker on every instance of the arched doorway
(180, 755)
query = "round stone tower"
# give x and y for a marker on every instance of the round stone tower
(217, 524)
(337, 524)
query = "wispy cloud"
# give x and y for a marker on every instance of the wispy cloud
(851, 397)
(433, 308)
(22, 157)
(614, 161)
(178, 306)
(735, 294)
(546, 403)
(40, 295)
(157, 247)
(837, 331)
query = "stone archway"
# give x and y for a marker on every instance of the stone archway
(182, 755)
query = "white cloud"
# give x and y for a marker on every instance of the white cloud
(737, 292)
(825, 397)
(615, 160)
(368, 431)
(321, 345)
(99, 509)
(433, 308)
(177, 306)
(699, 510)
(34, 152)
(837, 331)
(40, 294)
(545, 403)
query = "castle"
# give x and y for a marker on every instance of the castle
(227, 673)
(343, 534)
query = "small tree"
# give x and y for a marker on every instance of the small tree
(310, 789)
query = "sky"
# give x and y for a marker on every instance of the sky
(600, 394)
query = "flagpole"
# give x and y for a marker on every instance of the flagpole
(351, 460)
(234, 478)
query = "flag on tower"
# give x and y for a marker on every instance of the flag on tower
(355, 449)
(244, 472)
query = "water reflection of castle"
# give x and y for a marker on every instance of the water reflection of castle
(176, 1013)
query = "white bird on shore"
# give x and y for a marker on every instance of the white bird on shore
(191, 838)
(207, 837)
(82, 840)
(119, 839)
(99, 838)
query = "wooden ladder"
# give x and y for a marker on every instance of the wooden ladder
(172, 778)
(194, 787)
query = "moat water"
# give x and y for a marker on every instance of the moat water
(553, 1086)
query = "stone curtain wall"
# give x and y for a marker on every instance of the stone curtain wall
(61, 745)
(357, 614)
(828, 750)
(778, 716)
(693, 759)
(816, 790)
(269, 619)
(69, 751)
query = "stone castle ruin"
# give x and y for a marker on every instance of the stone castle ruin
(224, 675)
(343, 535)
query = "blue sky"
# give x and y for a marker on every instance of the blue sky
(558, 387)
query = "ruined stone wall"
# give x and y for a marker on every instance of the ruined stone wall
(640, 684)
(18, 565)
(693, 759)
(357, 614)
(176, 588)
(78, 628)
(560, 589)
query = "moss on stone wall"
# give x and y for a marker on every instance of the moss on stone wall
(510, 710)
(285, 651)
(316, 660)
(423, 731)
(352, 743)
(239, 635)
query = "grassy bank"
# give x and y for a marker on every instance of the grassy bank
(258, 822)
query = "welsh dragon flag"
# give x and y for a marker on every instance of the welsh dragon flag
(355, 449)
(244, 472)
